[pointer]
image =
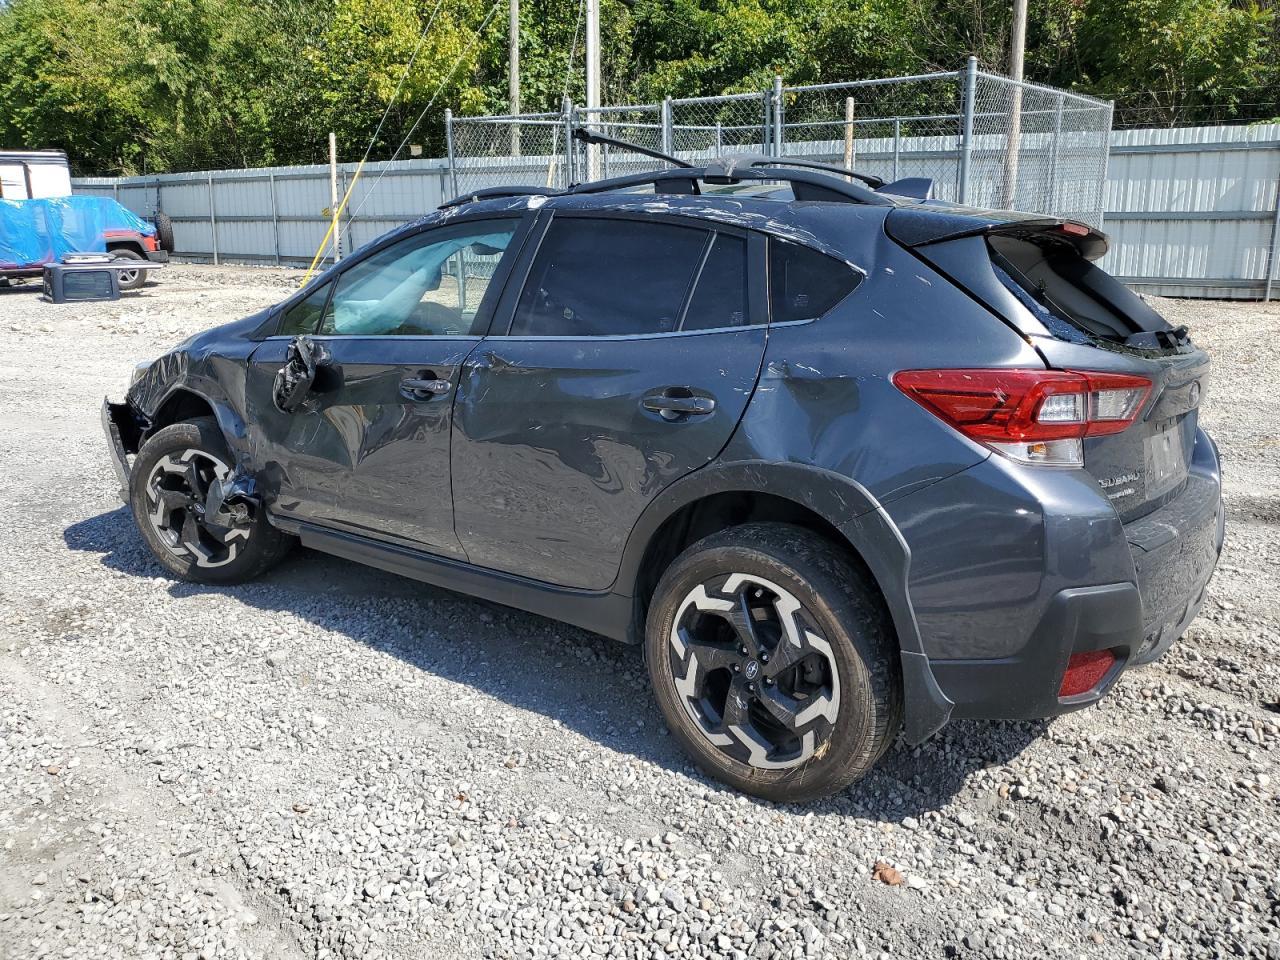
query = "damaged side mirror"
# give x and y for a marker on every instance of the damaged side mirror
(308, 368)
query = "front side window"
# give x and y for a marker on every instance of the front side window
(608, 277)
(803, 283)
(430, 284)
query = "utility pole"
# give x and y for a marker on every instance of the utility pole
(1018, 43)
(1017, 50)
(513, 44)
(593, 83)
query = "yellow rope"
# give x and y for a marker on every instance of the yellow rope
(332, 223)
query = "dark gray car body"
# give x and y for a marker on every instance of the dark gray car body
(540, 480)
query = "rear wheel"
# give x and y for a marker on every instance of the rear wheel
(774, 662)
(130, 279)
(176, 494)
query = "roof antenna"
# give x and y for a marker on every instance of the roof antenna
(587, 136)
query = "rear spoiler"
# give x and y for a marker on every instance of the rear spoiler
(921, 225)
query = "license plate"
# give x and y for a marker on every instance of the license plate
(1166, 460)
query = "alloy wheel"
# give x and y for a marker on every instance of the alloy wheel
(186, 508)
(753, 671)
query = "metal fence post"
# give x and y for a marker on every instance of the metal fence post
(275, 216)
(668, 134)
(213, 221)
(448, 142)
(1106, 162)
(778, 111)
(766, 120)
(566, 107)
(897, 145)
(1274, 253)
(1053, 157)
(968, 95)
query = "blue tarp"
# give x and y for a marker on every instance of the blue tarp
(33, 232)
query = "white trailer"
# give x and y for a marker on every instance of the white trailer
(34, 174)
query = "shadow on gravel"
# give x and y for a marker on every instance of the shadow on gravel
(592, 685)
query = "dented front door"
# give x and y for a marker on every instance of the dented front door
(370, 453)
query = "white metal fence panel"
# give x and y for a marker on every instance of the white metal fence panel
(278, 214)
(1195, 211)
(1190, 211)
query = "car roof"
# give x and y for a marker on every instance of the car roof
(828, 226)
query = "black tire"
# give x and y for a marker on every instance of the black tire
(162, 475)
(848, 682)
(164, 231)
(130, 279)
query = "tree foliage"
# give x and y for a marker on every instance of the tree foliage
(127, 87)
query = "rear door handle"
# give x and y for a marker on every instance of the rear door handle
(418, 388)
(672, 406)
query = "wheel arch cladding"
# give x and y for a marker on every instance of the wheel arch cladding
(735, 493)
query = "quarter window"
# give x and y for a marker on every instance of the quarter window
(608, 277)
(804, 283)
(720, 297)
(430, 284)
(304, 316)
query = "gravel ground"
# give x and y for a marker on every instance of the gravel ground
(334, 762)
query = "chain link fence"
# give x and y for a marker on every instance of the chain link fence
(528, 149)
(703, 128)
(984, 140)
(892, 128)
(1035, 148)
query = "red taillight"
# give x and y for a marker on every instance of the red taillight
(1085, 671)
(1036, 416)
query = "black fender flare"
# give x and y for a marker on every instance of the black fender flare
(228, 419)
(862, 521)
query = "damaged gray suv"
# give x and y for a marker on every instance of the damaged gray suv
(847, 462)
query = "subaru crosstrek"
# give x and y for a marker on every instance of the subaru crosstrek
(848, 463)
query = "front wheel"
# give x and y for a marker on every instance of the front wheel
(176, 493)
(773, 662)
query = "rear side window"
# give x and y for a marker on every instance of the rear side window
(606, 277)
(720, 297)
(804, 283)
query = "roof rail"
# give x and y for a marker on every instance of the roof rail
(809, 179)
(805, 184)
(494, 193)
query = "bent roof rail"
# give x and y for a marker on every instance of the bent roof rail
(806, 184)
(809, 179)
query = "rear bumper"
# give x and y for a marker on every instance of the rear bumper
(158, 256)
(1052, 572)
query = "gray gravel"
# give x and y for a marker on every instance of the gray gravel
(334, 762)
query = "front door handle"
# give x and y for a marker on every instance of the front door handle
(677, 403)
(420, 388)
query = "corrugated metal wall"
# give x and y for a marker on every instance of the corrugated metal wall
(1191, 211)
(277, 214)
